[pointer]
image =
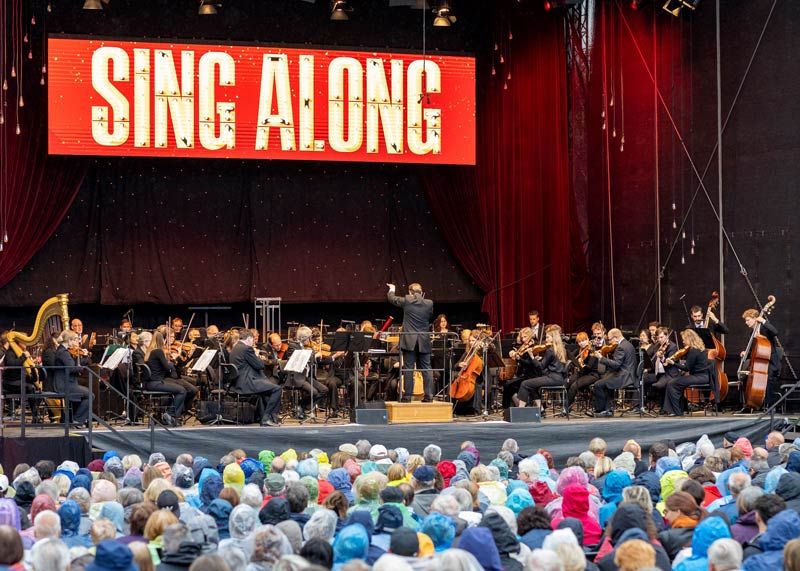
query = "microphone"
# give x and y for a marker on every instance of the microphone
(682, 297)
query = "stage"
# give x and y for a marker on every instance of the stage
(561, 437)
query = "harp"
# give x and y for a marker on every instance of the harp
(52, 318)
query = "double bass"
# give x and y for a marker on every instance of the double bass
(759, 350)
(716, 355)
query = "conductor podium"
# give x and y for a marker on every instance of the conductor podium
(419, 412)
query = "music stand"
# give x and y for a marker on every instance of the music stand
(360, 342)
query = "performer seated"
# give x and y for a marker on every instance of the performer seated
(528, 367)
(585, 367)
(553, 367)
(306, 380)
(657, 379)
(621, 373)
(272, 355)
(65, 377)
(14, 378)
(697, 367)
(251, 379)
(164, 376)
(753, 320)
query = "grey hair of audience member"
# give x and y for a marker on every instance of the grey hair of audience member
(242, 521)
(233, 555)
(457, 560)
(322, 525)
(432, 454)
(48, 488)
(251, 495)
(725, 554)
(510, 445)
(446, 505)
(530, 468)
(737, 482)
(173, 536)
(392, 562)
(130, 496)
(543, 560)
(588, 459)
(363, 447)
(82, 498)
(50, 555)
(462, 496)
(185, 460)
(746, 501)
(296, 496)
(640, 496)
(290, 563)
(47, 525)
(506, 457)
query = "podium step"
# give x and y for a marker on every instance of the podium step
(418, 412)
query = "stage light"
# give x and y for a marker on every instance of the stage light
(674, 7)
(207, 7)
(340, 9)
(444, 18)
(636, 4)
(558, 4)
(95, 4)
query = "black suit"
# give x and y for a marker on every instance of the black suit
(415, 340)
(65, 381)
(622, 373)
(769, 331)
(252, 381)
(305, 381)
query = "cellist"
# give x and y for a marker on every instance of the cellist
(754, 320)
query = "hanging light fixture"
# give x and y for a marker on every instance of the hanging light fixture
(444, 17)
(675, 7)
(340, 10)
(95, 4)
(208, 7)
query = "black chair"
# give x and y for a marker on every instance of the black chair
(230, 374)
(152, 402)
(556, 397)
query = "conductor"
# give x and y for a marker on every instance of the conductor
(415, 343)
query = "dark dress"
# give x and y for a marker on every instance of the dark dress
(162, 378)
(552, 376)
(698, 367)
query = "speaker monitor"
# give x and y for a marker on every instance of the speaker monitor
(517, 414)
(370, 416)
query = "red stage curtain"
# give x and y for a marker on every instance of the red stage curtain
(40, 188)
(509, 220)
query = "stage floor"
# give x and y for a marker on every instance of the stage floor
(563, 438)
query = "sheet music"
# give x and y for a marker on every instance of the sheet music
(298, 361)
(204, 360)
(116, 358)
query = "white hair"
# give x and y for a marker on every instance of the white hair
(391, 562)
(559, 537)
(447, 505)
(47, 524)
(510, 445)
(303, 334)
(145, 337)
(530, 467)
(252, 496)
(543, 560)
(432, 454)
(737, 482)
(725, 554)
(705, 449)
(457, 560)
(462, 496)
(50, 555)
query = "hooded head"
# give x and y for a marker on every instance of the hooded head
(266, 457)
(70, 515)
(447, 469)
(616, 481)
(198, 464)
(569, 476)
(713, 528)
(115, 513)
(501, 466)
(308, 467)
(233, 477)
(114, 466)
(479, 542)
(9, 514)
(41, 503)
(575, 525)
(220, 510)
(627, 462)
(364, 518)
(772, 479)
(780, 529)
(518, 500)
(210, 489)
(628, 516)
(276, 511)
(667, 464)
(793, 463)
(351, 543)
(340, 480)
(650, 481)
(576, 501)
(745, 445)
(668, 482)
(441, 529)
(789, 486)
(103, 491)
(468, 459)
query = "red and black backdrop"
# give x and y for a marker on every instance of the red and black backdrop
(169, 231)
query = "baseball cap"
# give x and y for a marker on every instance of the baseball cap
(424, 474)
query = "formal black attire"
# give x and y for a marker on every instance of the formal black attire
(415, 340)
(584, 377)
(621, 373)
(657, 379)
(715, 329)
(251, 380)
(304, 381)
(527, 368)
(769, 331)
(699, 369)
(553, 376)
(164, 377)
(65, 381)
(13, 378)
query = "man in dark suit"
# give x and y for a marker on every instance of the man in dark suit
(65, 377)
(415, 342)
(754, 320)
(537, 327)
(621, 367)
(252, 381)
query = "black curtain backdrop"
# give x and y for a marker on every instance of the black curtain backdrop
(190, 232)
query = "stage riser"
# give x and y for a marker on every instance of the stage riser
(418, 412)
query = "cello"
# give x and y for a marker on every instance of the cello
(759, 350)
(463, 388)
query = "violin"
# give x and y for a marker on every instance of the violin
(283, 349)
(583, 354)
(678, 355)
(608, 349)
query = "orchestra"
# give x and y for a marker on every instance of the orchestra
(603, 370)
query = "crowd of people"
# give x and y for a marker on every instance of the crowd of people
(689, 507)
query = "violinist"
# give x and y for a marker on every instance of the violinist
(439, 340)
(213, 337)
(697, 367)
(65, 377)
(251, 380)
(754, 320)
(81, 351)
(586, 373)
(164, 377)
(304, 381)
(528, 366)
(662, 372)
(272, 355)
(621, 368)
(553, 367)
(177, 326)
